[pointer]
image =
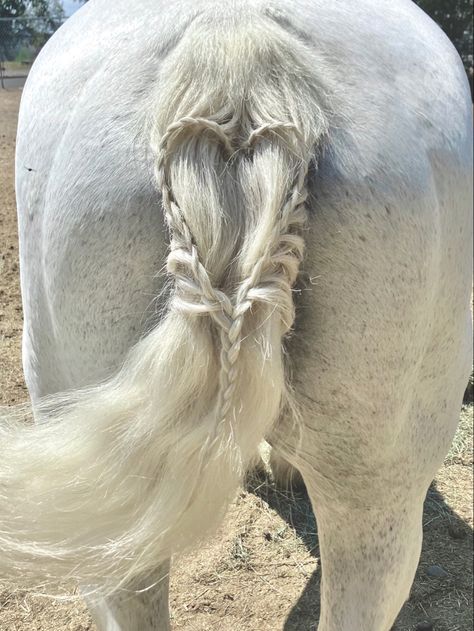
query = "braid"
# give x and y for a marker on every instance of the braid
(195, 292)
(272, 275)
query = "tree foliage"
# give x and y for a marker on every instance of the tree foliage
(27, 23)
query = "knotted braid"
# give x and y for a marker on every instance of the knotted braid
(272, 275)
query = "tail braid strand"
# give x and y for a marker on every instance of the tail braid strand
(273, 274)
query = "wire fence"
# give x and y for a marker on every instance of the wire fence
(21, 39)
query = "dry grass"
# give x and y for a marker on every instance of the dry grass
(461, 451)
(261, 572)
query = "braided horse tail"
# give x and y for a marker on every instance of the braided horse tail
(234, 135)
(128, 472)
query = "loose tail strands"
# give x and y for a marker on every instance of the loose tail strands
(274, 272)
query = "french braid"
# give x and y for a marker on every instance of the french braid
(273, 274)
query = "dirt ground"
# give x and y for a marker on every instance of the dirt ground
(261, 572)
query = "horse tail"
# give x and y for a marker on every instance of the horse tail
(132, 470)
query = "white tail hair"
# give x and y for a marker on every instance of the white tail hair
(128, 472)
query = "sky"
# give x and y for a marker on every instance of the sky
(70, 6)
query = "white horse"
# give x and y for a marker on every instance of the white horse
(220, 139)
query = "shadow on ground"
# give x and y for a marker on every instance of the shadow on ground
(440, 598)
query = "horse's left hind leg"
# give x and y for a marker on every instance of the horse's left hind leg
(143, 606)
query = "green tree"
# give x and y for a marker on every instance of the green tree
(27, 23)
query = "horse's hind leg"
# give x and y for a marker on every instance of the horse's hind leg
(367, 463)
(369, 556)
(49, 368)
(142, 606)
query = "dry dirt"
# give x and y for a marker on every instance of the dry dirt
(261, 572)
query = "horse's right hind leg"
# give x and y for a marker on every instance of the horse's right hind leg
(369, 556)
(142, 606)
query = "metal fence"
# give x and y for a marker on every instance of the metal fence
(21, 39)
